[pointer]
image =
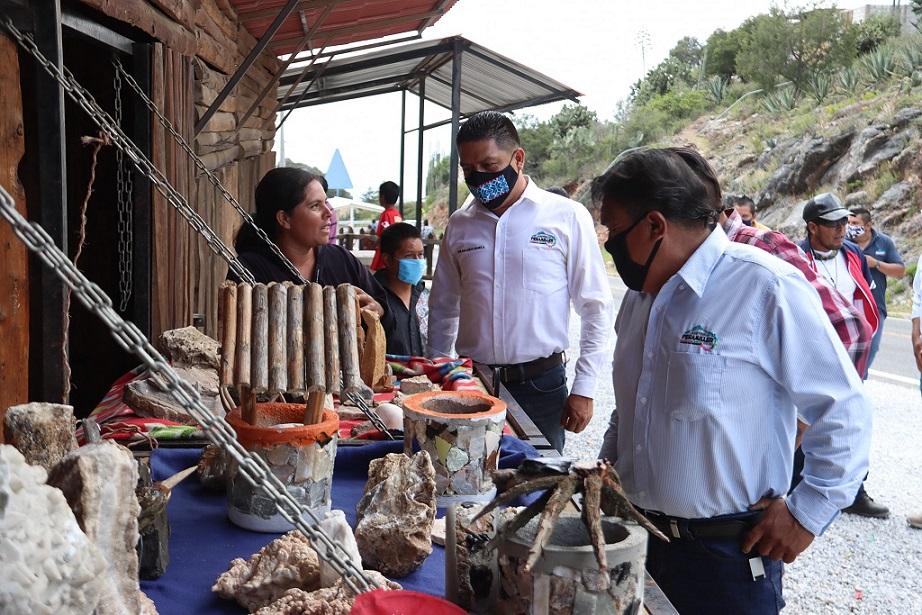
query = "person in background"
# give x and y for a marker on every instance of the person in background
(291, 210)
(402, 279)
(512, 263)
(334, 219)
(884, 261)
(845, 267)
(746, 208)
(916, 520)
(427, 233)
(707, 455)
(388, 194)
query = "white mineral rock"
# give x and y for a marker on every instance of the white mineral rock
(47, 564)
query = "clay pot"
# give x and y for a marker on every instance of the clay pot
(566, 579)
(301, 456)
(461, 432)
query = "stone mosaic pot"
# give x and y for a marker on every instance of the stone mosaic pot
(566, 579)
(301, 456)
(461, 431)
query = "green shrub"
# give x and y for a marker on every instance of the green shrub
(780, 99)
(820, 86)
(911, 270)
(849, 78)
(717, 88)
(680, 104)
(874, 30)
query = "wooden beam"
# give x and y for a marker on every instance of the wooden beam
(14, 275)
(145, 17)
(360, 27)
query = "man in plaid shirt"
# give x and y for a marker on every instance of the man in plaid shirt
(846, 319)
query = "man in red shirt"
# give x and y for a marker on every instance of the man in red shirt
(388, 193)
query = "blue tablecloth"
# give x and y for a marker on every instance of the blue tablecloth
(203, 541)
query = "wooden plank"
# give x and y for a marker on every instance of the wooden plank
(14, 275)
(143, 16)
(160, 247)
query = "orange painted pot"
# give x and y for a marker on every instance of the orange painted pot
(300, 456)
(461, 431)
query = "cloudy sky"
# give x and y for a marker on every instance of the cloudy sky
(590, 45)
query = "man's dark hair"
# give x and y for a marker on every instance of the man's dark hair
(394, 235)
(735, 200)
(558, 190)
(489, 125)
(389, 192)
(675, 181)
(863, 213)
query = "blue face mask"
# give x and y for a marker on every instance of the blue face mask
(410, 270)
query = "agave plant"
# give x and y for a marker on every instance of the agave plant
(911, 58)
(849, 78)
(780, 99)
(879, 64)
(717, 88)
(820, 85)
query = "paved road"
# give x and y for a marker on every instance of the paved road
(894, 363)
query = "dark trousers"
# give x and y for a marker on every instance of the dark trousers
(713, 576)
(543, 400)
(799, 468)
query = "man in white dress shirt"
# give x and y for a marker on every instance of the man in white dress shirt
(512, 262)
(720, 347)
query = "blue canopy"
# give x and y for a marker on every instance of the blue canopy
(337, 176)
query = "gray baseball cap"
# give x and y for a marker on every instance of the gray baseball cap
(825, 206)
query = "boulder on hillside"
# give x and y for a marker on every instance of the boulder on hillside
(896, 197)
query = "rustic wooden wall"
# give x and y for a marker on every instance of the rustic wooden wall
(14, 272)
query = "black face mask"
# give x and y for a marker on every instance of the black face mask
(633, 274)
(492, 188)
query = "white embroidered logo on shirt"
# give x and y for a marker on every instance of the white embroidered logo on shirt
(543, 238)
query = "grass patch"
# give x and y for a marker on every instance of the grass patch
(886, 176)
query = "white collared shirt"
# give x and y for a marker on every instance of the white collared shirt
(917, 291)
(710, 375)
(503, 286)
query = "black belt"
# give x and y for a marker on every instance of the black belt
(520, 372)
(729, 528)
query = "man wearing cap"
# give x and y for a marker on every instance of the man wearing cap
(845, 267)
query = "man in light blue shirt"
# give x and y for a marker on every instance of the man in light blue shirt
(720, 348)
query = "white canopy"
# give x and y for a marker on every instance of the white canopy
(338, 203)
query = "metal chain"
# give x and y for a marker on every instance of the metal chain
(252, 467)
(200, 164)
(121, 141)
(372, 415)
(125, 224)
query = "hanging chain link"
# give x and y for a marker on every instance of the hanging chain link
(372, 415)
(125, 224)
(252, 467)
(122, 142)
(200, 164)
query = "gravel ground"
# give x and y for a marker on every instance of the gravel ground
(859, 565)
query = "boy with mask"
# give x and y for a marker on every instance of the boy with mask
(511, 264)
(401, 277)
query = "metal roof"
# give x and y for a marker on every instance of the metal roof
(488, 80)
(338, 22)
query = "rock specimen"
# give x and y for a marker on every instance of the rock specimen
(336, 600)
(335, 526)
(417, 384)
(99, 482)
(213, 468)
(147, 399)
(43, 433)
(373, 364)
(394, 517)
(285, 563)
(189, 346)
(47, 564)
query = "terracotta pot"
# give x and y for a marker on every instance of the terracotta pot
(461, 431)
(566, 578)
(301, 456)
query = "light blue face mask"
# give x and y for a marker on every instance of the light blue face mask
(410, 270)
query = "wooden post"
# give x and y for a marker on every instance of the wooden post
(228, 332)
(259, 340)
(278, 324)
(331, 340)
(295, 337)
(244, 330)
(316, 375)
(348, 342)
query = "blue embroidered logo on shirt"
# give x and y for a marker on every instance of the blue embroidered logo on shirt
(543, 238)
(699, 336)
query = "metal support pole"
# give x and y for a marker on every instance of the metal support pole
(419, 163)
(51, 211)
(455, 124)
(141, 199)
(403, 141)
(247, 63)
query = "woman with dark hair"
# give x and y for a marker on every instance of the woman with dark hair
(291, 210)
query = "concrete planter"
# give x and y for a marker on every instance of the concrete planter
(566, 579)
(461, 431)
(301, 456)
